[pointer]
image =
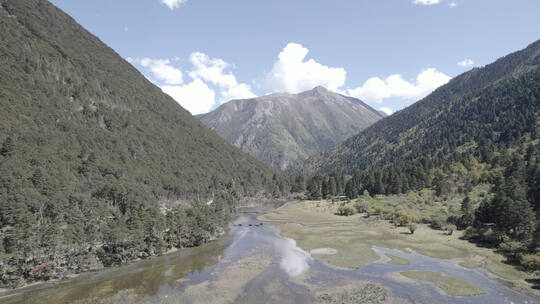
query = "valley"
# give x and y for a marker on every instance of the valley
(157, 172)
(283, 129)
(289, 260)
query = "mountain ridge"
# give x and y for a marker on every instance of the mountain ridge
(409, 133)
(90, 150)
(281, 128)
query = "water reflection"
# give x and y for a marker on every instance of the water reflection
(134, 281)
(294, 260)
(254, 264)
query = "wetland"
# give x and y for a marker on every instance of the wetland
(300, 253)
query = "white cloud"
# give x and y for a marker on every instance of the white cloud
(196, 97)
(172, 4)
(208, 77)
(466, 62)
(161, 70)
(212, 70)
(451, 3)
(426, 2)
(240, 91)
(292, 74)
(376, 89)
(386, 110)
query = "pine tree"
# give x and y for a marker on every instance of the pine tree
(332, 186)
(351, 189)
(467, 209)
(314, 187)
(325, 188)
(299, 184)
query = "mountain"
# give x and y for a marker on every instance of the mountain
(282, 129)
(486, 109)
(89, 149)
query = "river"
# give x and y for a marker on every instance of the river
(254, 264)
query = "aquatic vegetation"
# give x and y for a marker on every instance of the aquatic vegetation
(448, 284)
(371, 294)
(229, 283)
(353, 239)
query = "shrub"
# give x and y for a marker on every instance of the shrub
(361, 207)
(377, 210)
(438, 221)
(493, 237)
(400, 218)
(346, 210)
(371, 211)
(531, 262)
(449, 229)
(412, 227)
(512, 249)
(470, 233)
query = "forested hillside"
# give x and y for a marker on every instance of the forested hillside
(486, 108)
(480, 131)
(97, 165)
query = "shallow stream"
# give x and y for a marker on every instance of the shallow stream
(254, 264)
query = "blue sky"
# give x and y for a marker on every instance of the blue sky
(388, 53)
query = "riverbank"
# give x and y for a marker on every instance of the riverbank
(256, 263)
(314, 224)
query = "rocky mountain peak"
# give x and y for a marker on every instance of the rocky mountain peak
(281, 129)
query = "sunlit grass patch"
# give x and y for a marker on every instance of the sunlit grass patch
(310, 213)
(504, 271)
(448, 284)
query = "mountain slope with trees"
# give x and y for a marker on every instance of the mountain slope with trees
(97, 165)
(485, 108)
(480, 131)
(281, 129)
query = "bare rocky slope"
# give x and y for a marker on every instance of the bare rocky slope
(281, 129)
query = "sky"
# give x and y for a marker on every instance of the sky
(388, 53)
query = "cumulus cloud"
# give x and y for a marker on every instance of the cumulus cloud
(386, 110)
(161, 70)
(196, 96)
(213, 70)
(208, 76)
(426, 2)
(451, 3)
(466, 63)
(376, 89)
(292, 74)
(172, 4)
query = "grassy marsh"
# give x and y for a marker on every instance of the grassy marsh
(448, 284)
(314, 224)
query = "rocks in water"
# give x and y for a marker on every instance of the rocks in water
(250, 225)
(371, 294)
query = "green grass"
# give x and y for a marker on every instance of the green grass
(313, 224)
(504, 271)
(310, 213)
(448, 284)
(351, 253)
(470, 264)
(395, 260)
